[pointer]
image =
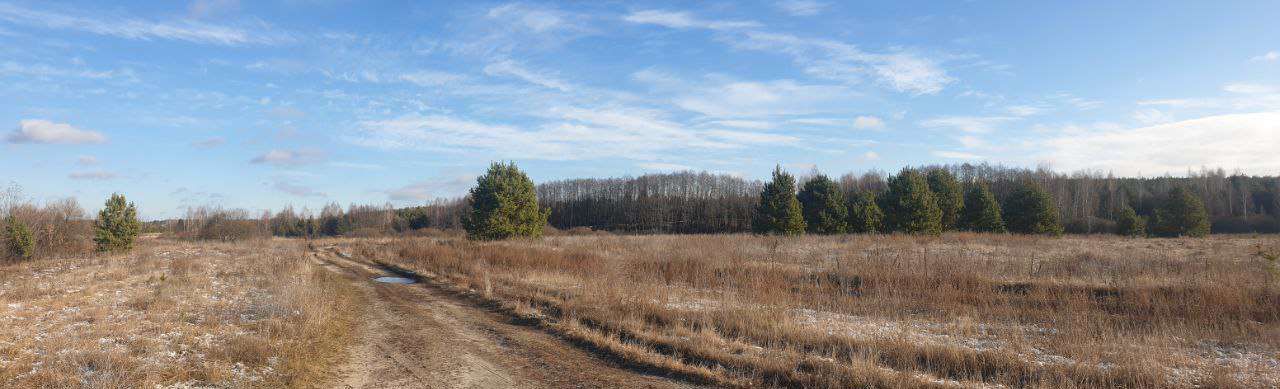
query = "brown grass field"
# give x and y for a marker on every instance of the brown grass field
(961, 310)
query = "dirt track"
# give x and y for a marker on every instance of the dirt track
(418, 336)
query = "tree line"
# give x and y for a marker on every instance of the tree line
(924, 199)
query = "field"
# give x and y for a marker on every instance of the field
(961, 310)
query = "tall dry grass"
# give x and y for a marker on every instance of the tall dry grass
(890, 311)
(174, 314)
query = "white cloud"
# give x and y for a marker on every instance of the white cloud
(744, 99)
(969, 124)
(430, 78)
(207, 8)
(901, 70)
(44, 131)
(1270, 56)
(528, 17)
(441, 187)
(1151, 116)
(209, 143)
(286, 185)
(957, 155)
(868, 123)
(684, 20)
(92, 175)
(87, 160)
(138, 29)
(288, 157)
(801, 7)
(871, 156)
(1249, 89)
(666, 167)
(1247, 141)
(748, 124)
(513, 69)
(1024, 110)
(357, 165)
(971, 142)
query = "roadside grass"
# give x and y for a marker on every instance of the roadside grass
(174, 314)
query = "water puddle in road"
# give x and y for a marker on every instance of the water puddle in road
(394, 280)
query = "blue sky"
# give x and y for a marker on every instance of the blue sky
(266, 103)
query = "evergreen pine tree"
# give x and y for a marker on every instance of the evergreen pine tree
(1181, 214)
(1128, 223)
(949, 195)
(504, 205)
(1030, 210)
(117, 225)
(21, 242)
(779, 210)
(981, 211)
(823, 204)
(865, 216)
(909, 206)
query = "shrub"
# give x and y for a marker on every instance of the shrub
(504, 205)
(1030, 210)
(1181, 214)
(779, 210)
(117, 225)
(865, 216)
(909, 205)
(824, 209)
(1128, 223)
(981, 212)
(947, 192)
(21, 242)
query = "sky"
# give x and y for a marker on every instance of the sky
(262, 104)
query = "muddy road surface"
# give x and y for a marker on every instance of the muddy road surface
(419, 336)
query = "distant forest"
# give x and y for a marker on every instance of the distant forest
(693, 202)
(705, 203)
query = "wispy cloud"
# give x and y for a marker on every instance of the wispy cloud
(98, 175)
(801, 7)
(684, 20)
(286, 185)
(209, 143)
(514, 69)
(1247, 141)
(141, 29)
(441, 187)
(969, 124)
(868, 123)
(87, 160)
(44, 131)
(1270, 56)
(289, 157)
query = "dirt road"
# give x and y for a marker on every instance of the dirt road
(419, 336)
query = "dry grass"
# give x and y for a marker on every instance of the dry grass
(173, 314)
(890, 311)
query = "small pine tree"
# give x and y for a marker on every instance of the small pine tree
(981, 211)
(949, 195)
(865, 216)
(1128, 223)
(1181, 214)
(823, 204)
(1030, 210)
(909, 206)
(117, 225)
(504, 205)
(21, 242)
(779, 210)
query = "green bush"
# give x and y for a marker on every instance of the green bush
(824, 209)
(981, 211)
(1128, 223)
(1181, 214)
(779, 209)
(21, 242)
(504, 205)
(117, 225)
(909, 205)
(1030, 210)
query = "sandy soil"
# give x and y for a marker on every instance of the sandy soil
(420, 336)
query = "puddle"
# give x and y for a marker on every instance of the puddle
(394, 280)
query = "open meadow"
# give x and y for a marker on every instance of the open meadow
(962, 310)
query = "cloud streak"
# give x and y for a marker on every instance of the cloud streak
(47, 132)
(140, 29)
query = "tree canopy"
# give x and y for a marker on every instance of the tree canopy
(504, 205)
(117, 225)
(909, 205)
(779, 211)
(824, 207)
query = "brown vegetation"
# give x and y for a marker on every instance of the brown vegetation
(889, 311)
(172, 314)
